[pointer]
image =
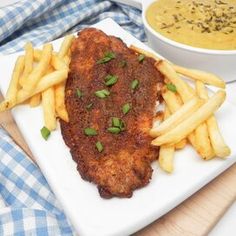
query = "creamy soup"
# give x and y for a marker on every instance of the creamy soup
(207, 24)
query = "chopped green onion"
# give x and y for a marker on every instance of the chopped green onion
(45, 132)
(110, 80)
(99, 146)
(114, 130)
(123, 63)
(102, 93)
(90, 131)
(79, 93)
(126, 108)
(115, 122)
(171, 87)
(107, 57)
(141, 57)
(118, 123)
(134, 84)
(89, 106)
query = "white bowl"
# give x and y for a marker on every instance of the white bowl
(220, 62)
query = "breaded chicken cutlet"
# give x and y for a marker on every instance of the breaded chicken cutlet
(111, 96)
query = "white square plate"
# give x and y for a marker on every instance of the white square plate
(89, 213)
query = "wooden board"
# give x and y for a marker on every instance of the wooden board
(196, 216)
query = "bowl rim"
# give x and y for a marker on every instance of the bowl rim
(181, 45)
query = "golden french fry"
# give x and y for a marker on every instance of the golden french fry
(144, 52)
(202, 141)
(174, 103)
(185, 91)
(56, 62)
(219, 146)
(29, 59)
(67, 60)
(166, 156)
(35, 100)
(192, 122)
(179, 116)
(48, 103)
(60, 101)
(207, 78)
(39, 70)
(13, 86)
(65, 46)
(166, 153)
(60, 88)
(46, 82)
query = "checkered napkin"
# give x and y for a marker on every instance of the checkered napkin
(27, 205)
(41, 21)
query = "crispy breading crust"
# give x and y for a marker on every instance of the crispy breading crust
(125, 163)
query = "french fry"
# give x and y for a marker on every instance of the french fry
(56, 62)
(192, 122)
(179, 116)
(144, 52)
(39, 70)
(198, 75)
(174, 103)
(13, 87)
(46, 82)
(67, 60)
(60, 88)
(202, 141)
(48, 104)
(60, 104)
(29, 59)
(166, 153)
(219, 146)
(185, 91)
(65, 46)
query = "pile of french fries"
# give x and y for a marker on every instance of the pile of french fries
(188, 114)
(39, 78)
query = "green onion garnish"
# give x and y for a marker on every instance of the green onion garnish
(90, 131)
(141, 57)
(45, 132)
(99, 146)
(134, 84)
(171, 87)
(102, 93)
(123, 63)
(116, 122)
(89, 106)
(79, 93)
(114, 130)
(107, 57)
(126, 108)
(117, 125)
(110, 80)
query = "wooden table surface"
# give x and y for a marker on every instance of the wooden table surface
(196, 216)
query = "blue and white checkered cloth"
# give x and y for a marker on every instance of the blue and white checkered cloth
(27, 205)
(41, 21)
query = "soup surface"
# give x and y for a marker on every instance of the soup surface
(207, 24)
